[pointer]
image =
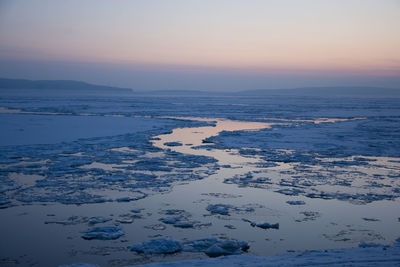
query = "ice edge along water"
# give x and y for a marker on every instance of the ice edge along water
(367, 253)
(181, 142)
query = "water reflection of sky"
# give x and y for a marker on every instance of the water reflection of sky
(336, 223)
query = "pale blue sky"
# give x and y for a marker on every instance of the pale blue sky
(232, 43)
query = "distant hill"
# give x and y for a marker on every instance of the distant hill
(304, 91)
(67, 87)
(327, 91)
(58, 85)
(179, 93)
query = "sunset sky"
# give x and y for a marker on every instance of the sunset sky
(203, 44)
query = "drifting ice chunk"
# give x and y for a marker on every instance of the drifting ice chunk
(96, 220)
(103, 233)
(136, 211)
(157, 246)
(264, 225)
(227, 247)
(371, 219)
(289, 192)
(174, 212)
(219, 209)
(170, 220)
(175, 221)
(125, 220)
(295, 202)
(225, 209)
(173, 144)
(72, 220)
(183, 224)
(135, 195)
(214, 247)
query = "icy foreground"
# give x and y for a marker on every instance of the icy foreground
(365, 255)
(122, 181)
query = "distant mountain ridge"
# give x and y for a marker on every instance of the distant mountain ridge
(344, 91)
(338, 91)
(181, 93)
(74, 87)
(360, 91)
(57, 85)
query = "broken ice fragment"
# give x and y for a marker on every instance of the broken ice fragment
(371, 219)
(263, 225)
(103, 233)
(96, 220)
(157, 246)
(125, 220)
(183, 224)
(266, 225)
(173, 144)
(219, 209)
(136, 211)
(170, 220)
(295, 202)
(214, 247)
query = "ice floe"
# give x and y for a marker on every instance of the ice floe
(103, 233)
(157, 246)
(263, 225)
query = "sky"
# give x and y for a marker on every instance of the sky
(203, 44)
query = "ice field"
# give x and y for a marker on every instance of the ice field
(121, 180)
